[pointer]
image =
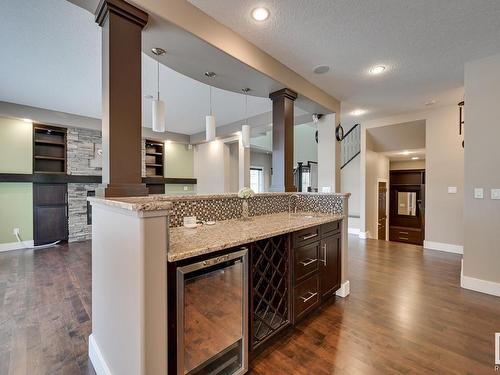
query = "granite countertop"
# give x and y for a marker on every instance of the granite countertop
(187, 243)
(149, 203)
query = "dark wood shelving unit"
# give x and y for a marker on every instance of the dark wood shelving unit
(50, 197)
(49, 149)
(155, 167)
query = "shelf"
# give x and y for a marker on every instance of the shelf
(49, 158)
(43, 172)
(154, 153)
(154, 165)
(47, 142)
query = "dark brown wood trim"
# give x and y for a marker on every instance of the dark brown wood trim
(121, 8)
(283, 93)
(49, 178)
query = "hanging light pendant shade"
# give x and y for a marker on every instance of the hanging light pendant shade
(245, 129)
(210, 119)
(158, 106)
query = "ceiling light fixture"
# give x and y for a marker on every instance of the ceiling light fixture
(27, 120)
(158, 106)
(414, 158)
(379, 69)
(210, 119)
(430, 102)
(321, 69)
(245, 129)
(260, 14)
(358, 112)
(406, 153)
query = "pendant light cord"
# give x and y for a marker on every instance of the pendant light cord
(246, 108)
(158, 76)
(210, 96)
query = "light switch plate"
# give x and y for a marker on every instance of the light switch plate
(185, 188)
(478, 193)
(495, 193)
(452, 189)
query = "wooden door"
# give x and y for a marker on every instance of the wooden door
(382, 212)
(329, 280)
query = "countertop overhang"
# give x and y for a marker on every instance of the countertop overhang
(187, 243)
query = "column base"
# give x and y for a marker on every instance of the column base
(122, 190)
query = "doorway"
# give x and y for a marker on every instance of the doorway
(382, 210)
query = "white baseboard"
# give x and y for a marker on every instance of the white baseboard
(345, 289)
(353, 231)
(364, 235)
(441, 246)
(479, 285)
(15, 245)
(95, 355)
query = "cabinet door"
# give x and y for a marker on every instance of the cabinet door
(51, 224)
(329, 265)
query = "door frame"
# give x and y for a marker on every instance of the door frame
(386, 180)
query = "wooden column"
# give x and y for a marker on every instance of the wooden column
(283, 122)
(121, 25)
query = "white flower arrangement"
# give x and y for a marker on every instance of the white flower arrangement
(246, 193)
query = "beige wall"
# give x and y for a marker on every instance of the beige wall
(350, 182)
(444, 168)
(407, 164)
(16, 153)
(179, 160)
(377, 168)
(482, 169)
(264, 161)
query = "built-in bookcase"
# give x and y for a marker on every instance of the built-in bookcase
(49, 149)
(154, 158)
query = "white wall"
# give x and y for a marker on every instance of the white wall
(481, 264)
(264, 161)
(305, 147)
(233, 171)
(211, 163)
(351, 183)
(328, 154)
(444, 168)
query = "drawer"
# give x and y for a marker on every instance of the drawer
(306, 297)
(408, 235)
(305, 236)
(332, 227)
(306, 261)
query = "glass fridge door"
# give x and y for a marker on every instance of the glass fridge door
(212, 316)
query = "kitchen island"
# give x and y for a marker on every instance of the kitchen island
(294, 263)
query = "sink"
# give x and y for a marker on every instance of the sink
(301, 215)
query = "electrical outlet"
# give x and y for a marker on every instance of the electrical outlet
(478, 193)
(495, 193)
(185, 188)
(16, 231)
(452, 189)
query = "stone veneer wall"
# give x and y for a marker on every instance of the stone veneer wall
(80, 150)
(229, 207)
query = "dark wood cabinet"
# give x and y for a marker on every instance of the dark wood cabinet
(407, 206)
(50, 213)
(49, 149)
(329, 265)
(316, 267)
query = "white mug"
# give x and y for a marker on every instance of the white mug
(190, 221)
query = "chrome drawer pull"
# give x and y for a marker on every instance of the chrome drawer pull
(312, 295)
(309, 236)
(324, 253)
(404, 238)
(403, 232)
(307, 262)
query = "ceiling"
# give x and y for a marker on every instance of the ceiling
(405, 155)
(36, 71)
(402, 136)
(424, 45)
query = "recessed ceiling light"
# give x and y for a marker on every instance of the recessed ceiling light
(430, 102)
(406, 153)
(320, 69)
(358, 112)
(414, 158)
(27, 120)
(379, 69)
(260, 14)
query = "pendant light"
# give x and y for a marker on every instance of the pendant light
(158, 106)
(210, 119)
(245, 129)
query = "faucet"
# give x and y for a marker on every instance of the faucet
(296, 196)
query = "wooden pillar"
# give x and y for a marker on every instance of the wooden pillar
(283, 122)
(121, 25)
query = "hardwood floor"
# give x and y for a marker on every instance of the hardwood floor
(406, 315)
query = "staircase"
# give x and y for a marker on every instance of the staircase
(350, 145)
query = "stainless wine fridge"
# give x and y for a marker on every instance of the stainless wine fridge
(212, 315)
